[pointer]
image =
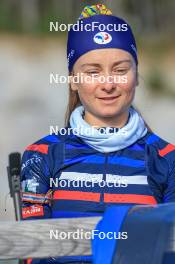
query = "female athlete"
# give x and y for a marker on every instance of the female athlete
(106, 154)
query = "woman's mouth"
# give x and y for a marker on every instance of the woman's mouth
(108, 99)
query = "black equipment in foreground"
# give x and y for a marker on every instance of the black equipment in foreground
(13, 171)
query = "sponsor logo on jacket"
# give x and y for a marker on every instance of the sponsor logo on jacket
(36, 210)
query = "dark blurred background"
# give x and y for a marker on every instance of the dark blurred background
(29, 53)
(23, 16)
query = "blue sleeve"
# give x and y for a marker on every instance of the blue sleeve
(157, 173)
(169, 193)
(35, 183)
(161, 173)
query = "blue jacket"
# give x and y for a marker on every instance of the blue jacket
(61, 176)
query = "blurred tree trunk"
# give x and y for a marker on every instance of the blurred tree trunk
(11, 9)
(29, 14)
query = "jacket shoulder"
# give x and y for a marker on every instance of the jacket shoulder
(161, 147)
(43, 145)
(43, 152)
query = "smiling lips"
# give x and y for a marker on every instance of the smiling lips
(107, 99)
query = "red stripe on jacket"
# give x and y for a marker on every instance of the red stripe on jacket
(166, 150)
(129, 198)
(108, 197)
(43, 148)
(76, 195)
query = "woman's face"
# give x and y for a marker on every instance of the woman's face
(109, 81)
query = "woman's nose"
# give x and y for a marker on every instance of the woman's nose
(109, 83)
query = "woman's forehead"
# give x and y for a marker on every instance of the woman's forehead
(101, 56)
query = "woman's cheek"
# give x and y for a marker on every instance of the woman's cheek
(84, 93)
(128, 82)
(87, 90)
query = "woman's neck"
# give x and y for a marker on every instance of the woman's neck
(117, 121)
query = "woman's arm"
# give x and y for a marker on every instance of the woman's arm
(161, 170)
(35, 184)
(169, 193)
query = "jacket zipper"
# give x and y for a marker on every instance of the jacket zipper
(104, 179)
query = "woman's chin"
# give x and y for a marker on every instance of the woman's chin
(107, 113)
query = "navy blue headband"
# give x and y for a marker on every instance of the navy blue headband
(117, 34)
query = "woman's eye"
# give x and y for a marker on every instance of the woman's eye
(121, 71)
(92, 72)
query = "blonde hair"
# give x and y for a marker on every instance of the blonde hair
(73, 102)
